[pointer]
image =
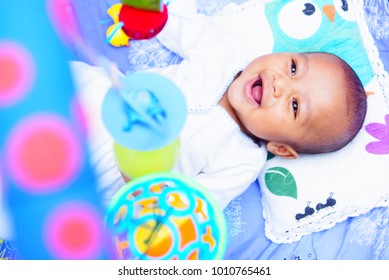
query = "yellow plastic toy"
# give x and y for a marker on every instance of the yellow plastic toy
(114, 11)
(115, 34)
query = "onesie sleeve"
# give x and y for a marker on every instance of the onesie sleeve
(228, 183)
(92, 84)
(185, 29)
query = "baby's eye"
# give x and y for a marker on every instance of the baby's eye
(295, 107)
(293, 68)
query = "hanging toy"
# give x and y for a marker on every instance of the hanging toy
(114, 12)
(142, 24)
(144, 117)
(149, 5)
(166, 216)
(115, 34)
(135, 20)
(134, 164)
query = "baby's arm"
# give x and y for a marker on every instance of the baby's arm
(186, 30)
(228, 183)
(92, 84)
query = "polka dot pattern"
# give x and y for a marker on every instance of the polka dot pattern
(73, 230)
(43, 137)
(17, 73)
(43, 154)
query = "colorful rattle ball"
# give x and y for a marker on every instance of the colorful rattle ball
(166, 216)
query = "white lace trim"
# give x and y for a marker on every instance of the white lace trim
(371, 48)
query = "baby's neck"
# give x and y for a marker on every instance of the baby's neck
(225, 104)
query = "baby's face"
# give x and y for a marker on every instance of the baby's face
(284, 97)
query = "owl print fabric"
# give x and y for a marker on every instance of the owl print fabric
(321, 25)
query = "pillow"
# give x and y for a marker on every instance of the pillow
(314, 192)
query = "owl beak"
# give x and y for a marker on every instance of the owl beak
(329, 11)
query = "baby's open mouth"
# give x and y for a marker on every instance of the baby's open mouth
(256, 90)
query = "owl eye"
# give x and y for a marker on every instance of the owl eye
(343, 9)
(344, 5)
(300, 19)
(309, 9)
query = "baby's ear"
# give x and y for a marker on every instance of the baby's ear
(282, 150)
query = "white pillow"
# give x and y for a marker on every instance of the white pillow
(314, 192)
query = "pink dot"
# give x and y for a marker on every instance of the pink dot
(17, 73)
(43, 154)
(62, 16)
(74, 230)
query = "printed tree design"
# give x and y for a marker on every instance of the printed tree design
(281, 182)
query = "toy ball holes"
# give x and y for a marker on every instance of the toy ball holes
(165, 216)
(142, 24)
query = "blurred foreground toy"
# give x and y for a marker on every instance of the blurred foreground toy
(166, 216)
(45, 174)
(144, 117)
(132, 21)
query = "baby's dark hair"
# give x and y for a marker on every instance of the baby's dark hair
(355, 113)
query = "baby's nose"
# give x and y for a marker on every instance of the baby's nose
(281, 85)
